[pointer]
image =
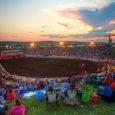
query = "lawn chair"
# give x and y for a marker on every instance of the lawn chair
(71, 97)
(51, 97)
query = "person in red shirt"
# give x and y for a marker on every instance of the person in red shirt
(10, 94)
(109, 80)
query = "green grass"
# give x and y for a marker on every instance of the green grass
(35, 107)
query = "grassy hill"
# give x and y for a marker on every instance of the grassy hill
(35, 107)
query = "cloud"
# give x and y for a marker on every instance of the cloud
(85, 22)
(30, 32)
(65, 25)
(94, 34)
(69, 20)
(99, 16)
(111, 23)
(70, 13)
(43, 28)
(64, 36)
(98, 28)
(99, 4)
(97, 33)
(54, 36)
(42, 31)
(91, 16)
(100, 32)
(74, 37)
(111, 32)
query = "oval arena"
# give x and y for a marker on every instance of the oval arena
(48, 67)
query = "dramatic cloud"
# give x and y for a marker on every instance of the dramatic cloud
(67, 23)
(102, 21)
(100, 16)
(95, 17)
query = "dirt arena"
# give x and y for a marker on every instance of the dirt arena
(48, 67)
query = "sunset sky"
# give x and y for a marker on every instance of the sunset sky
(56, 20)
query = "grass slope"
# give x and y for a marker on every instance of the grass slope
(39, 108)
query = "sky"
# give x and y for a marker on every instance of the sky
(57, 20)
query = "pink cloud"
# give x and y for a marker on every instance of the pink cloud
(111, 22)
(70, 13)
(99, 28)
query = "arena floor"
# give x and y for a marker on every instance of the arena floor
(48, 67)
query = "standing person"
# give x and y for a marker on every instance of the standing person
(3, 91)
(17, 109)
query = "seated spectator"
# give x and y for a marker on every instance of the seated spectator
(113, 87)
(98, 80)
(107, 93)
(3, 91)
(30, 87)
(109, 80)
(21, 90)
(17, 109)
(25, 89)
(54, 85)
(113, 76)
(94, 98)
(80, 90)
(34, 87)
(10, 94)
(2, 110)
(100, 90)
(42, 85)
(71, 96)
(65, 85)
(51, 96)
(1, 98)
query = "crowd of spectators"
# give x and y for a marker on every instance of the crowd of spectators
(73, 86)
(97, 52)
(72, 90)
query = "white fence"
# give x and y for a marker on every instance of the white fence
(67, 57)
